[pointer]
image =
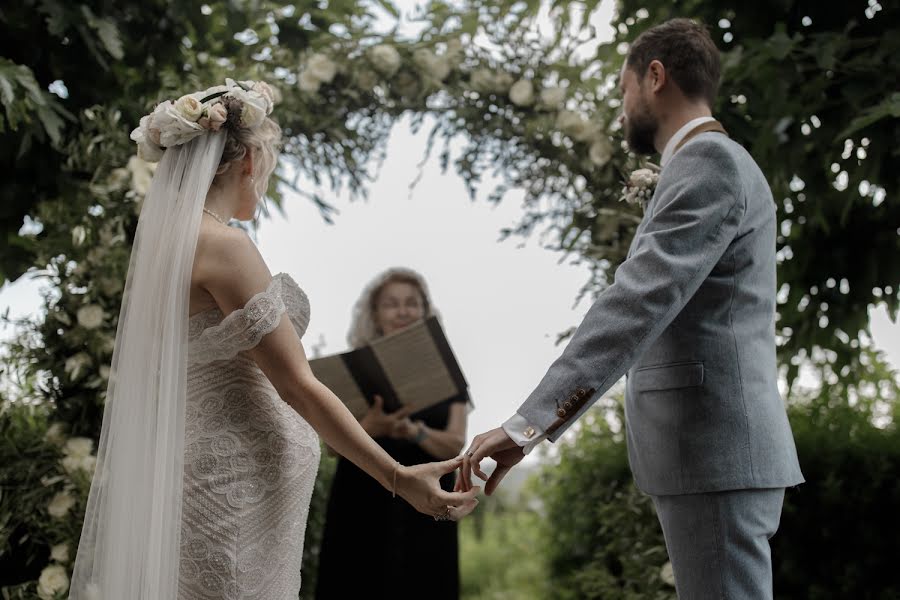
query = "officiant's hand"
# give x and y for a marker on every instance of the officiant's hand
(378, 423)
(406, 429)
(420, 486)
(495, 444)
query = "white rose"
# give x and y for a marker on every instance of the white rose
(90, 316)
(74, 365)
(600, 152)
(321, 67)
(571, 123)
(53, 581)
(455, 51)
(253, 114)
(482, 80)
(60, 553)
(366, 80)
(60, 505)
(553, 97)
(643, 178)
(72, 464)
(267, 92)
(79, 234)
(141, 174)
(189, 107)
(522, 93)
(577, 127)
(55, 433)
(502, 82)
(434, 66)
(309, 83)
(104, 373)
(78, 447)
(174, 128)
(667, 574)
(406, 85)
(385, 59)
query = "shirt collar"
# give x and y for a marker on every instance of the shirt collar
(673, 142)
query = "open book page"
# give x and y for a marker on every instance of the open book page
(334, 374)
(413, 364)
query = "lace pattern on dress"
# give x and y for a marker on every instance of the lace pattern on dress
(213, 338)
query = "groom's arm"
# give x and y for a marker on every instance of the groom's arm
(696, 216)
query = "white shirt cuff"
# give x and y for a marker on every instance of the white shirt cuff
(523, 433)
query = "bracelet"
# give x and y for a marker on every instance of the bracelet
(421, 435)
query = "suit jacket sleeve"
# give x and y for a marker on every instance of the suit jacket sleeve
(696, 214)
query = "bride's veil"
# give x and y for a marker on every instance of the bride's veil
(129, 547)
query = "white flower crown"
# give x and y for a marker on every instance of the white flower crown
(237, 104)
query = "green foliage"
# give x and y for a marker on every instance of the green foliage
(32, 477)
(600, 532)
(604, 540)
(501, 551)
(835, 539)
(315, 524)
(810, 89)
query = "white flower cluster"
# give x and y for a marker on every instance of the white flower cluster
(318, 69)
(78, 455)
(177, 122)
(640, 185)
(386, 62)
(52, 582)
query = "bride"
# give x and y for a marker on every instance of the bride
(209, 447)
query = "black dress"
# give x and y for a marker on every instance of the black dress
(377, 546)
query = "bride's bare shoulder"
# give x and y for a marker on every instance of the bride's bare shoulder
(225, 253)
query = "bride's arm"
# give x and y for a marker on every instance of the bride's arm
(230, 268)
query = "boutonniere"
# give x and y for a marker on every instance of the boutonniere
(640, 185)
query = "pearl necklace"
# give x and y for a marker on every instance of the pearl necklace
(214, 216)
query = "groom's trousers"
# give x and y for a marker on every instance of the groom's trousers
(718, 542)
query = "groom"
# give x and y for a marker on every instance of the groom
(691, 319)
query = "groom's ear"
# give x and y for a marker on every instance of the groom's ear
(655, 78)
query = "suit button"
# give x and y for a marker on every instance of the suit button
(574, 398)
(567, 405)
(581, 393)
(561, 412)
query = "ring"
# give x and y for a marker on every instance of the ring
(445, 516)
(470, 454)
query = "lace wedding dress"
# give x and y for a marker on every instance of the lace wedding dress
(250, 459)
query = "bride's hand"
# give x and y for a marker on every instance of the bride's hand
(420, 486)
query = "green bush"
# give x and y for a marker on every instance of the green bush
(315, 524)
(838, 532)
(501, 554)
(33, 478)
(601, 533)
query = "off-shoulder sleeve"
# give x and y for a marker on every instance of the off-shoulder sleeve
(242, 329)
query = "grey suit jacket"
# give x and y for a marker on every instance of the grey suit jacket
(691, 317)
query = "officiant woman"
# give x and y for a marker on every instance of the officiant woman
(374, 542)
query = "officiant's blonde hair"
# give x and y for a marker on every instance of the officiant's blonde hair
(363, 328)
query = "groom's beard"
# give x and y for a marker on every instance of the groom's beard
(640, 131)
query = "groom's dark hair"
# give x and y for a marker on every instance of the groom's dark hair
(686, 51)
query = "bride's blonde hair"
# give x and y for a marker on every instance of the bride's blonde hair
(263, 142)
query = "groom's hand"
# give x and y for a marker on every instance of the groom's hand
(495, 444)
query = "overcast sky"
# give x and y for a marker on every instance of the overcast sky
(502, 303)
